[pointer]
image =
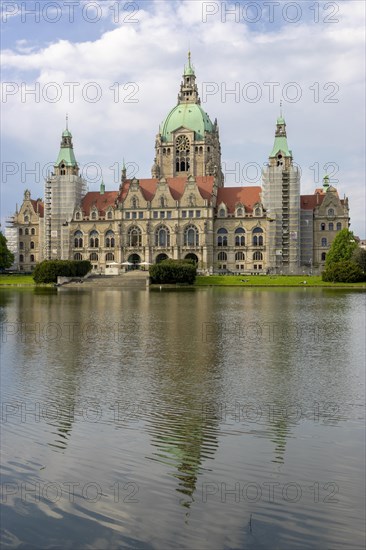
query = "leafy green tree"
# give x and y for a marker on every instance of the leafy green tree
(343, 272)
(342, 248)
(6, 257)
(359, 257)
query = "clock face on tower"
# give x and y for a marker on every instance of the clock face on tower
(182, 143)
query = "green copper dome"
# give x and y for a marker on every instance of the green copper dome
(66, 133)
(190, 116)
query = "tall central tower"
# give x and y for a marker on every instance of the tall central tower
(281, 198)
(188, 142)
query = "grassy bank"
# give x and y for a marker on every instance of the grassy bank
(271, 280)
(16, 280)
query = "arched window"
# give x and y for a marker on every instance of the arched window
(324, 241)
(323, 256)
(257, 236)
(191, 236)
(222, 237)
(322, 227)
(32, 258)
(78, 257)
(77, 216)
(93, 257)
(62, 171)
(182, 149)
(257, 256)
(32, 245)
(257, 212)
(26, 231)
(239, 237)
(239, 212)
(162, 236)
(239, 257)
(78, 239)
(339, 226)
(134, 236)
(20, 231)
(109, 215)
(94, 239)
(94, 215)
(222, 256)
(21, 258)
(21, 245)
(134, 202)
(109, 239)
(33, 231)
(222, 213)
(331, 227)
(109, 257)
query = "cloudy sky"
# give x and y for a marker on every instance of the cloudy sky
(115, 67)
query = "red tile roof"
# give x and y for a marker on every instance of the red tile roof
(309, 202)
(102, 202)
(38, 207)
(231, 196)
(176, 186)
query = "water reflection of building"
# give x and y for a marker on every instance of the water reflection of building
(185, 416)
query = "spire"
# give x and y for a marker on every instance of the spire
(188, 88)
(188, 69)
(102, 188)
(66, 155)
(280, 143)
(124, 172)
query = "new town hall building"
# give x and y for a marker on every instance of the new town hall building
(184, 210)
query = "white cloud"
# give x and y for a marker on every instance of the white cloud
(151, 54)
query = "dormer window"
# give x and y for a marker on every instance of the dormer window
(77, 216)
(93, 215)
(222, 212)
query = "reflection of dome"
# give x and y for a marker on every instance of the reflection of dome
(190, 116)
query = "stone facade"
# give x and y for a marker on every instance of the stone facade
(184, 210)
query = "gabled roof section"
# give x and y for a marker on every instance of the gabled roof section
(247, 196)
(176, 187)
(101, 202)
(309, 202)
(38, 207)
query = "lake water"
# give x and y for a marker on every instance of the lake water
(212, 418)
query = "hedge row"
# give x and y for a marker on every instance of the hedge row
(48, 270)
(173, 271)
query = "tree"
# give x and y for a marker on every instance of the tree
(346, 271)
(342, 248)
(6, 257)
(359, 257)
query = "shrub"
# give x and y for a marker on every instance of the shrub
(173, 271)
(48, 270)
(343, 272)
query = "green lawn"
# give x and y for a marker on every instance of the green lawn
(270, 280)
(14, 280)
